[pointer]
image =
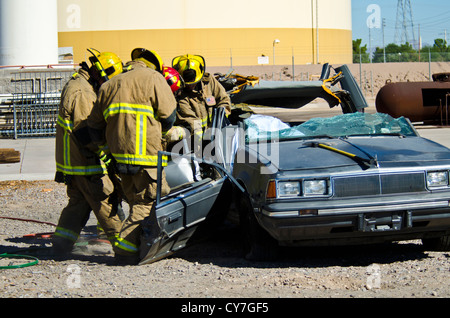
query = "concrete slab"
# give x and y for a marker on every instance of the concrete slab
(438, 134)
(37, 159)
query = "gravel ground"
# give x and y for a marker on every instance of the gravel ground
(213, 268)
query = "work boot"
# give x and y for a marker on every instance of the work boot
(61, 246)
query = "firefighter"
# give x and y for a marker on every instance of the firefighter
(173, 78)
(152, 60)
(88, 185)
(132, 112)
(200, 94)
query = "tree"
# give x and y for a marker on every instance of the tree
(440, 51)
(396, 53)
(360, 52)
(440, 45)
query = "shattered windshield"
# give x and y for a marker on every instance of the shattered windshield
(260, 127)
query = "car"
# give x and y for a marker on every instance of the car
(352, 178)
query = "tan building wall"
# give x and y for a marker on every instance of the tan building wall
(224, 32)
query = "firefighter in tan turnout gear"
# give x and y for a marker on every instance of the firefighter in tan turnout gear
(133, 111)
(88, 185)
(200, 95)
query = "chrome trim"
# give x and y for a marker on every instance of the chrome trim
(363, 209)
(285, 214)
(382, 208)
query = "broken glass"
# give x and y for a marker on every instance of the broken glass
(259, 128)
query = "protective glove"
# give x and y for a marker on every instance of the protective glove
(176, 133)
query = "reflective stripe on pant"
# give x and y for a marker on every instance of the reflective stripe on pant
(140, 191)
(88, 194)
(66, 234)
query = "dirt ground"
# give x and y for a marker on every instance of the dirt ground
(214, 268)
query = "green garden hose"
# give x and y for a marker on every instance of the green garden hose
(33, 261)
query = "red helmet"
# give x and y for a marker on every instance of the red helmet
(172, 77)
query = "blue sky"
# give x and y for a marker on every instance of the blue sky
(432, 17)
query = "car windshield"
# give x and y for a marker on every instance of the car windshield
(260, 127)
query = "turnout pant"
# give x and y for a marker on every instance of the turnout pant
(86, 194)
(140, 190)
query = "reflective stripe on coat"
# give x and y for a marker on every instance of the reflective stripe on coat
(77, 101)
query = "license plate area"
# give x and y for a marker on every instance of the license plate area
(374, 222)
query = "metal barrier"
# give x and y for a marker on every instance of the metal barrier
(32, 110)
(35, 114)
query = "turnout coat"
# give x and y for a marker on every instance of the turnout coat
(77, 100)
(133, 111)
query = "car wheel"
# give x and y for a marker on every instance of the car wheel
(437, 244)
(258, 244)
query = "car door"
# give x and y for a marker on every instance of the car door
(193, 207)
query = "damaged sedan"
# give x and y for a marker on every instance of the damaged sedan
(355, 178)
(350, 179)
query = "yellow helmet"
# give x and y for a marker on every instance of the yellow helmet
(108, 64)
(150, 58)
(190, 67)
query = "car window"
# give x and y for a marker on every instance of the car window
(355, 124)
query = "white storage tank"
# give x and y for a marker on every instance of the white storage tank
(28, 32)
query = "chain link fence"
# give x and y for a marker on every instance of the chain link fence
(399, 57)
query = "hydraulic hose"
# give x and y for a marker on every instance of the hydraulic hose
(27, 220)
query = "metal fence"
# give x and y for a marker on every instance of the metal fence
(32, 109)
(400, 57)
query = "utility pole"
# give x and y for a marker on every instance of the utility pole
(383, 24)
(420, 41)
(370, 45)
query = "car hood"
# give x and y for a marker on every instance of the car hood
(385, 152)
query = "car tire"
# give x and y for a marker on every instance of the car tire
(258, 244)
(437, 244)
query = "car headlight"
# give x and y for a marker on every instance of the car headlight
(315, 187)
(437, 179)
(285, 189)
(289, 188)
